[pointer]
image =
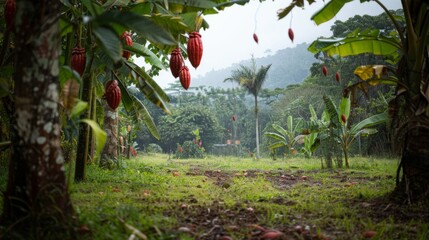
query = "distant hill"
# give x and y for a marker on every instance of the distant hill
(289, 66)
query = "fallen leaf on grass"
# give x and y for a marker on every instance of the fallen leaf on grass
(176, 173)
(272, 235)
(369, 234)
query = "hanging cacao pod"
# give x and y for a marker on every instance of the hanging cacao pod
(195, 49)
(255, 37)
(9, 13)
(112, 92)
(176, 62)
(337, 76)
(325, 70)
(234, 117)
(126, 37)
(291, 35)
(78, 60)
(185, 77)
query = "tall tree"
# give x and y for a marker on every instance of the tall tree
(252, 80)
(36, 189)
(408, 47)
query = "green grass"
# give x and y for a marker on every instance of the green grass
(216, 196)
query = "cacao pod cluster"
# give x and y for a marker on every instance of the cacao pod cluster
(112, 93)
(9, 13)
(126, 37)
(78, 60)
(195, 52)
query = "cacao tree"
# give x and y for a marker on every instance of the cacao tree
(251, 79)
(407, 47)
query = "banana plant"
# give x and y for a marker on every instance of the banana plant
(406, 46)
(344, 132)
(285, 137)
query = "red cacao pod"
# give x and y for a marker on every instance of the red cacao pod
(126, 37)
(176, 62)
(325, 70)
(185, 77)
(234, 117)
(195, 49)
(343, 118)
(337, 76)
(78, 60)
(112, 93)
(255, 37)
(291, 35)
(9, 13)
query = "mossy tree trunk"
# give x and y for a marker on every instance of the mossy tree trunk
(36, 193)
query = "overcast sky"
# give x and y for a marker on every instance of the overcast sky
(229, 39)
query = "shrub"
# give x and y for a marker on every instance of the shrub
(189, 149)
(153, 148)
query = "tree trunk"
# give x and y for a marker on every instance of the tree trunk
(83, 142)
(110, 151)
(36, 193)
(257, 127)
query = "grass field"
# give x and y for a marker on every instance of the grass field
(234, 198)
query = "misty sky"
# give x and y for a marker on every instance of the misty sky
(229, 39)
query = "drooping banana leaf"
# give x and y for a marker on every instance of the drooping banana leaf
(355, 45)
(150, 88)
(99, 136)
(276, 136)
(145, 25)
(147, 119)
(147, 54)
(328, 11)
(369, 122)
(126, 99)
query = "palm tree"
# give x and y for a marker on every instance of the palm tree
(251, 79)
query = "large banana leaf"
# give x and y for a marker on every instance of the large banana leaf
(150, 88)
(276, 136)
(146, 25)
(355, 45)
(147, 54)
(344, 108)
(110, 42)
(369, 122)
(329, 11)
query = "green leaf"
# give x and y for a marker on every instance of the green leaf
(125, 96)
(277, 145)
(351, 46)
(147, 118)
(110, 42)
(369, 122)
(147, 54)
(280, 129)
(284, 12)
(79, 108)
(144, 25)
(275, 136)
(111, 3)
(344, 108)
(4, 87)
(99, 136)
(329, 11)
(149, 88)
(331, 109)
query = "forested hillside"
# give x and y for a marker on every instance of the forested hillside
(289, 66)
